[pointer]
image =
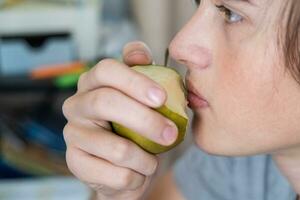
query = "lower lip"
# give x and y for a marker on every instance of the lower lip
(195, 101)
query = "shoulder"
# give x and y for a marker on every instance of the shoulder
(221, 177)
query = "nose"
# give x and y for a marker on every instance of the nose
(192, 46)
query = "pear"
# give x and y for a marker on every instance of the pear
(174, 107)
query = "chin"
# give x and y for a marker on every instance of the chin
(221, 148)
(205, 140)
(215, 141)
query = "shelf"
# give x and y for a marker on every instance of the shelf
(82, 22)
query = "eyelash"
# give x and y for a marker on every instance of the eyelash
(226, 13)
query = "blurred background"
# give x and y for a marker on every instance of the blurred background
(44, 47)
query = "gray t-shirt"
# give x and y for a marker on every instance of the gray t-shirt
(200, 176)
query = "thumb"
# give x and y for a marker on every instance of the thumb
(137, 53)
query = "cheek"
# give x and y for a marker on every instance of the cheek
(245, 82)
(250, 96)
(244, 71)
(244, 86)
(244, 102)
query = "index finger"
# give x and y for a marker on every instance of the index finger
(112, 74)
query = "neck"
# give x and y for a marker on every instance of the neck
(288, 162)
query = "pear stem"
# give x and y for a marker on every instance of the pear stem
(166, 57)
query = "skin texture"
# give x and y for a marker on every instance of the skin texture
(114, 167)
(253, 102)
(238, 68)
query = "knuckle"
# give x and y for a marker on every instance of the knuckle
(67, 133)
(103, 66)
(125, 177)
(100, 71)
(70, 160)
(66, 107)
(121, 151)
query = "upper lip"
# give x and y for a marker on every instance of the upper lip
(191, 88)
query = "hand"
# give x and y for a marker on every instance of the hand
(115, 167)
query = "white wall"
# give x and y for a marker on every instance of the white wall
(159, 20)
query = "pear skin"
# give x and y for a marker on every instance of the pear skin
(173, 109)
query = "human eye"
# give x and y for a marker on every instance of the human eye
(229, 15)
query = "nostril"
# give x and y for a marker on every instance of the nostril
(196, 61)
(198, 65)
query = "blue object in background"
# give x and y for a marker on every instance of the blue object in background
(43, 132)
(38, 133)
(8, 172)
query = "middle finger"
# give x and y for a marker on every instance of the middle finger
(107, 104)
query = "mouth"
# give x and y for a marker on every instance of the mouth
(195, 99)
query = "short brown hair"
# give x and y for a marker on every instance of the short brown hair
(291, 39)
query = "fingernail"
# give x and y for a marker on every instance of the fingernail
(135, 53)
(170, 135)
(156, 96)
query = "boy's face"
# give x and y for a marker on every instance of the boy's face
(230, 48)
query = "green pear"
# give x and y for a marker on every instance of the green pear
(174, 107)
